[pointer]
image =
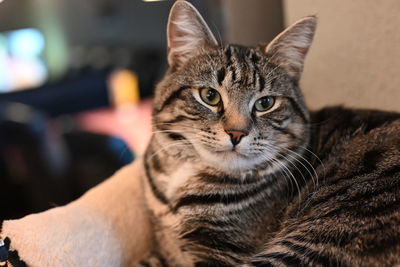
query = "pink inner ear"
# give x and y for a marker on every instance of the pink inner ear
(177, 37)
(187, 33)
(176, 55)
(173, 32)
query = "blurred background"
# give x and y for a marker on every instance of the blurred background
(76, 79)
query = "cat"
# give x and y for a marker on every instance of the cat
(238, 172)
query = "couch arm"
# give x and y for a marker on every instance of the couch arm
(107, 226)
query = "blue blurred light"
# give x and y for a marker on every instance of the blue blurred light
(3, 61)
(26, 43)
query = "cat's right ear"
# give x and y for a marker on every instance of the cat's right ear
(187, 33)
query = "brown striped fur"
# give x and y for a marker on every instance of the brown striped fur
(352, 217)
(294, 189)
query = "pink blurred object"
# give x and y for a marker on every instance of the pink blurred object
(132, 123)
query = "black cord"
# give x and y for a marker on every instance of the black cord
(9, 256)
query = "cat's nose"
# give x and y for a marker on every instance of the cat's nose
(236, 135)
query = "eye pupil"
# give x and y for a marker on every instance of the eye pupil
(264, 103)
(210, 96)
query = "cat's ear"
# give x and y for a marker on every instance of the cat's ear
(288, 50)
(187, 33)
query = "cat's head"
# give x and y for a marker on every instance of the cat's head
(235, 108)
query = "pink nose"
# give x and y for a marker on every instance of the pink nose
(236, 135)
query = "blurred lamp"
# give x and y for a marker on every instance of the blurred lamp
(21, 63)
(26, 42)
(124, 87)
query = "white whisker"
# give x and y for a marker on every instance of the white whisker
(287, 171)
(319, 160)
(309, 164)
(296, 158)
(294, 165)
(163, 148)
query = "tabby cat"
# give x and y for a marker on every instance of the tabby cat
(238, 173)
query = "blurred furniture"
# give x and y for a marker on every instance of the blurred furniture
(33, 170)
(70, 95)
(43, 164)
(131, 123)
(108, 226)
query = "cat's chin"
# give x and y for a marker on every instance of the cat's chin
(230, 161)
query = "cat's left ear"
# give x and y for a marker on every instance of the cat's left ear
(289, 49)
(187, 33)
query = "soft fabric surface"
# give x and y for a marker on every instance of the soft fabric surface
(108, 226)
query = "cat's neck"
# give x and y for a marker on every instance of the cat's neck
(167, 159)
(193, 190)
(179, 167)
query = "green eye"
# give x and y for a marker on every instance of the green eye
(210, 96)
(264, 103)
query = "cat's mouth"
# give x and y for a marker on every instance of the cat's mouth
(231, 160)
(230, 152)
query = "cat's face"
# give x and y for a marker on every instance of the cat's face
(234, 108)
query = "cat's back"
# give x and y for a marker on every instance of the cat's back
(352, 216)
(352, 143)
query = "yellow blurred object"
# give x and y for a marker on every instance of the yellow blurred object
(124, 87)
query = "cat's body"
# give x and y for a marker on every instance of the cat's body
(237, 173)
(210, 204)
(207, 210)
(352, 218)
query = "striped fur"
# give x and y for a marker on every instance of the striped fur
(257, 202)
(352, 218)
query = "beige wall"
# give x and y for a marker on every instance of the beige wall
(251, 22)
(355, 58)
